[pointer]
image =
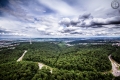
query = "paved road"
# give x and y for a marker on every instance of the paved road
(20, 59)
(115, 66)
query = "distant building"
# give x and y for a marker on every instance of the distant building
(116, 44)
(30, 41)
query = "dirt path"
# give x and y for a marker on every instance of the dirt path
(40, 65)
(43, 65)
(115, 66)
(20, 59)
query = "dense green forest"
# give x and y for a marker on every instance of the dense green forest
(82, 58)
(8, 55)
(78, 62)
(116, 54)
(18, 71)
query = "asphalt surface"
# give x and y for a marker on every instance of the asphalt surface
(115, 67)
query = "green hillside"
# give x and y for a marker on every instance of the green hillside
(77, 62)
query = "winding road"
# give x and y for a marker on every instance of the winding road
(20, 59)
(40, 65)
(115, 67)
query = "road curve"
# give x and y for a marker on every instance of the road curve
(40, 65)
(20, 59)
(115, 70)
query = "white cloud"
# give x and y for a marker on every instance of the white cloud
(59, 6)
(65, 21)
(43, 18)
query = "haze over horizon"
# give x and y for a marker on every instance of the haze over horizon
(58, 18)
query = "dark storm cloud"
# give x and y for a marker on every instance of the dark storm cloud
(80, 22)
(1, 13)
(43, 32)
(81, 18)
(74, 22)
(76, 33)
(117, 26)
(11, 7)
(67, 30)
(21, 9)
(114, 20)
(71, 30)
(41, 17)
(85, 16)
(107, 21)
(97, 26)
(36, 19)
(86, 20)
(4, 31)
(4, 3)
(66, 22)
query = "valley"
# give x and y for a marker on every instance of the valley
(56, 60)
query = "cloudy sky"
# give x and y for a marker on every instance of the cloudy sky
(58, 18)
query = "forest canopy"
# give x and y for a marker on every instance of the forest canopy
(78, 62)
